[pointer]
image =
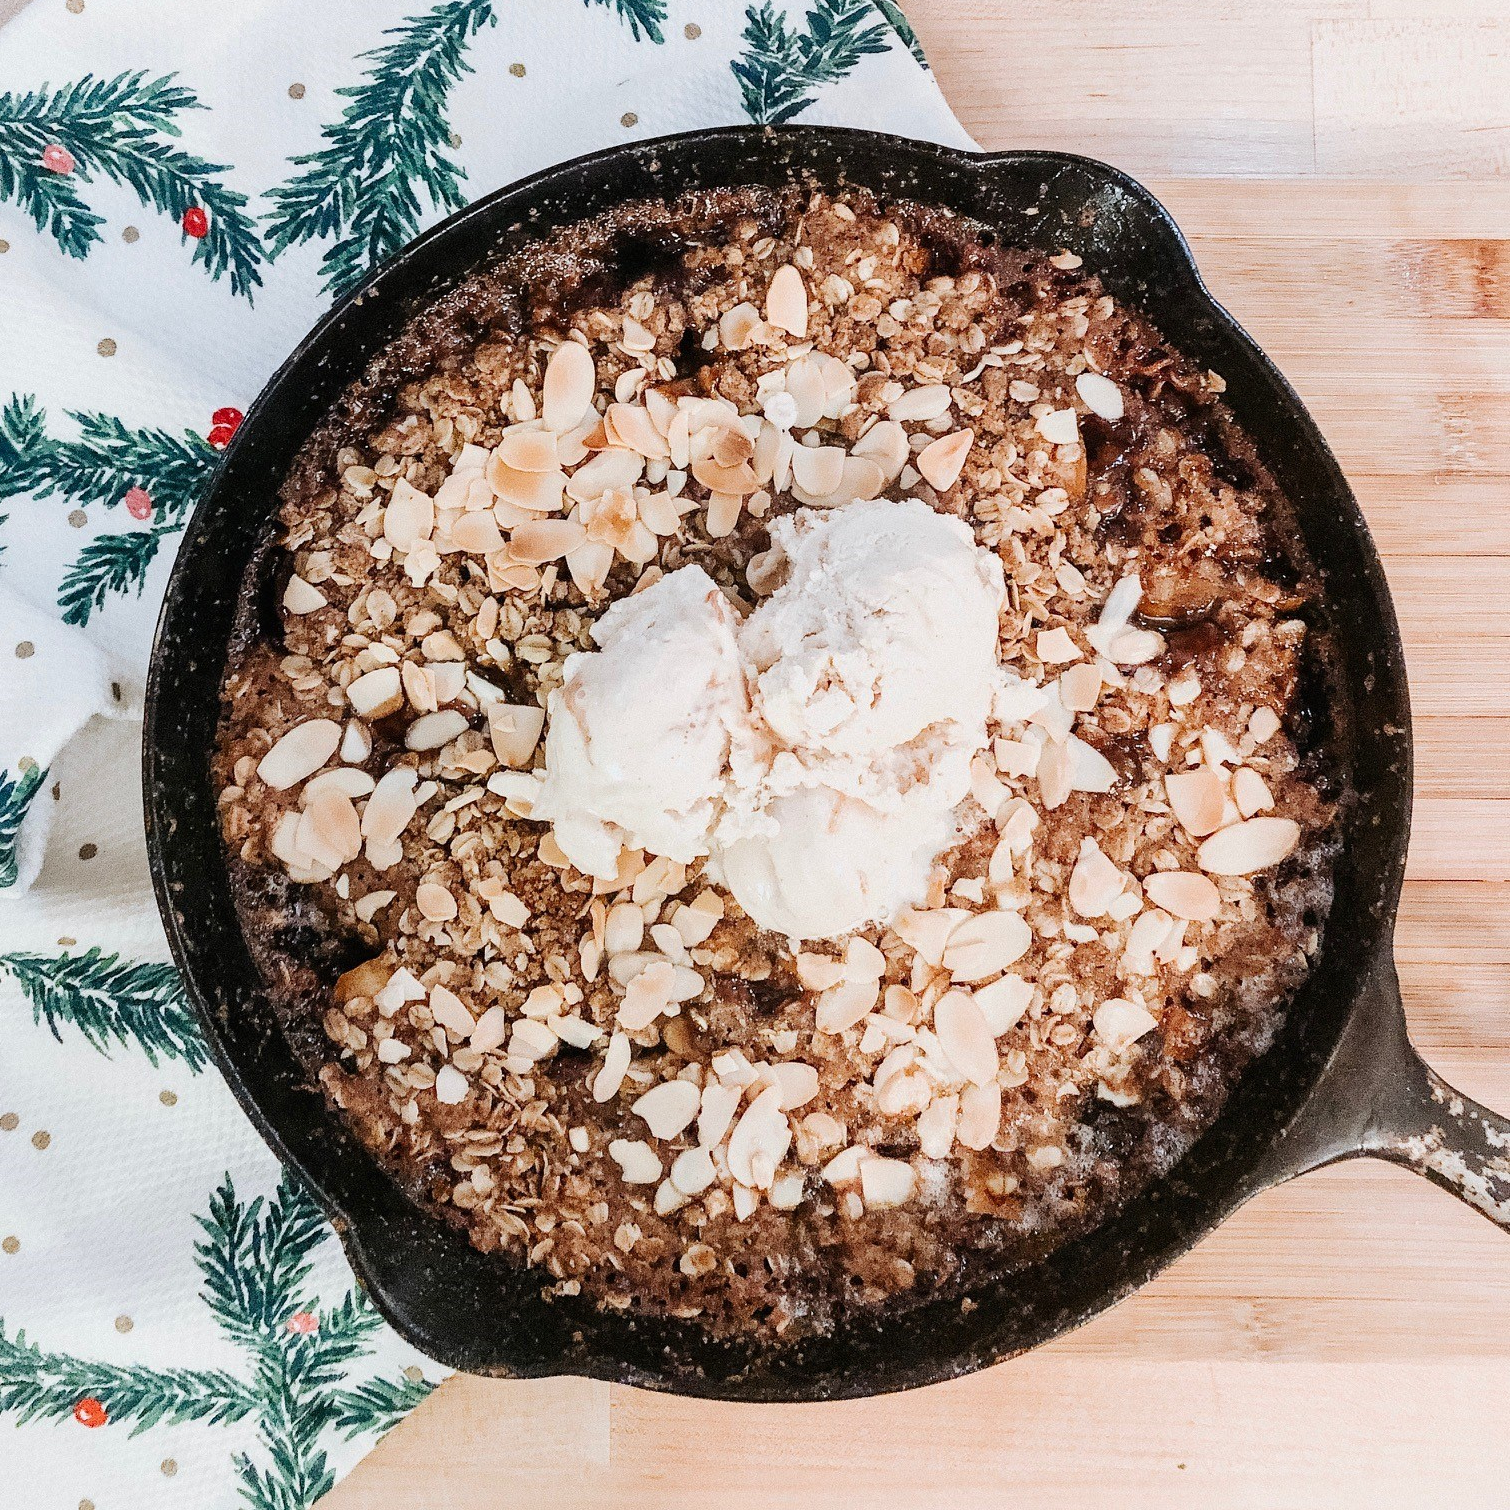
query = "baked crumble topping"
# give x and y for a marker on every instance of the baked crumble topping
(620, 1079)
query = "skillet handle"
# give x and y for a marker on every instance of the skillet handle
(1379, 1098)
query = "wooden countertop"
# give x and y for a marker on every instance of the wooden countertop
(1345, 1340)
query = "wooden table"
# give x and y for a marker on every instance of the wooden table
(1346, 1340)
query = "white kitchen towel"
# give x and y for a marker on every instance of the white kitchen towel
(184, 188)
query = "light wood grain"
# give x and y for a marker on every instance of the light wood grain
(1343, 1341)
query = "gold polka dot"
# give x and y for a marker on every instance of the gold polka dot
(88, 851)
(168, 1098)
(169, 1467)
(66, 942)
(124, 1324)
(455, 141)
(517, 69)
(25, 764)
(41, 1140)
(10, 1245)
(4, 246)
(414, 1374)
(692, 31)
(106, 348)
(25, 650)
(629, 118)
(296, 91)
(74, 7)
(86, 1505)
(9, 1122)
(130, 234)
(78, 518)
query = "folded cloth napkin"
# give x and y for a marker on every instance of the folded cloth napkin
(183, 190)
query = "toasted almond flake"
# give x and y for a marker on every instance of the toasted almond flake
(1251, 792)
(448, 1009)
(435, 902)
(1059, 427)
(818, 470)
(787, 1191)
(965, 1037)
(1145, 937)
(647, 995)
(345, 779)
(419, 687)
(300, 753)
(409, 517)
(1054, 647)
(863, 961)
(928, 930)
(979, 1114)
(1120, 1024)
(720, 1102)
(368, 907)
(1184, 689)
(1080, 688)
(636, 337)
(798, 1083)
(1263, 725)
(1184, 894)
(723, 514)
(886, 1182)
(392, 1051)
(986, 944)
(1196, 798)
(1003, 1002)
(514, 729)
(936, 1124)
(531, 1041)
(1095, 882)
(759, 1141)
(301, 597)
(356, 742)
(390, 807)
(450, 1085)
(491, 1030)
(942, 460)
(669, 1108)
(885, 443)
(542, 540)
(738, 326)
(818, 972)
(432, 730)
(567, 389)
(638, 1161)
(1135, 647)
(527, 449)
(842, 1006)
(692, 1171)
(610, 1077)
(1252, 845)
(330, 831)
(524, 493)
(624, 928)
(477, 534)
(919, 405)
(1100, 395)
(630, 425)
(786, 302)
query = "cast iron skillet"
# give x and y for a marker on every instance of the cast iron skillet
(1342, 1079)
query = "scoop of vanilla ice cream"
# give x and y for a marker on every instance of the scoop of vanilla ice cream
(638, 734)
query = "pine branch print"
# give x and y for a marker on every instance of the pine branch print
(361, 191)
(122, 129)
(781, 69)
(109, 564)
(378, 1405)
(903, 28)
(53, 1386)
(111, 1002)
(17, 793)
(644, 18)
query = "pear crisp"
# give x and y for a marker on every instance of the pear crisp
(613, 1074)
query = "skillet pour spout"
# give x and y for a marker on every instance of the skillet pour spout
(1340, 1080)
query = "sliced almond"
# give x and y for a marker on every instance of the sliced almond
(965, 1038)
(928, 930)
(759, 1141)
(377, 694)
(630, 425)
(477, 534)
(432, 730)
(720, 1102)
(919, 405)
(786, 302)
(524, 492)
(527, 449)
(515, 729)
(542, 540)
(936, 1125)
(1119, 1024)
(1251, 792)
(451, 1085)
(1095, 882)
(1101, 396)
(1080, 688)
(986, 944)
(739, 479)
(409, 517)
(300, 753)
(1183, 894)
(887, 1182)
(330, 831)
(1196, 798)
(390, 807)
(647, 996)
(942, 460)
(979, 1114)
(638, 1161)
(1263, 725)
(450, 1011)
(885, 443)
(610, 1077)
(844, 1005)
(1253, 845)
(738, 326)
(1059, 427)
(669, 1108)
(491, 1030)
(1054, 647)
(567, 390)
(818, 470)
(692, 1171)
(1003, 1002)
(301, 597)
(798, 1083)
(435, 902)
(818, 972)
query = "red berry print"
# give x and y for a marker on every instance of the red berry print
(139, 503)
(303, 1323)
(90, 1412)
(227, 416)
(220, 436)
(57, 159)
(196, 222)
